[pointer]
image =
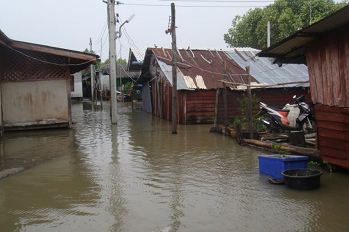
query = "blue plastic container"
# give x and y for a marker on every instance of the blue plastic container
(274, 165)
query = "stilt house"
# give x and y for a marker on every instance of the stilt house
(324, 48)
(35, 82)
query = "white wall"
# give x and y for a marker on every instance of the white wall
(77, 85)
(35, 102)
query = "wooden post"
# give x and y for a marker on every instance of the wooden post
(174, 70)
(216, 110)
(92, 70)
(297, 138)
(249, 97)
(225, 98)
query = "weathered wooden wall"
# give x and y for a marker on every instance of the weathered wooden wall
(279, 97)
(198, 107)
(333, 134)
(328, 65)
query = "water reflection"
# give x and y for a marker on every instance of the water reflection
(137, 176)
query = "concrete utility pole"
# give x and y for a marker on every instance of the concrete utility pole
(112, 60)
(92, 69)
(174, 69)
(268, 35)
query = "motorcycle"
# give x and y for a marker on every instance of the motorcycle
(276, 119)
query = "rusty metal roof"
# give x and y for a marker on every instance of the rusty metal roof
(76, 60)
(197, 69)
(292, 49)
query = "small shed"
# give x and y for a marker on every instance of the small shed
(35, 84)
(324, 48)
(199, 75)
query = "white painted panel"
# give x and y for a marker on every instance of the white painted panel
(34, 101)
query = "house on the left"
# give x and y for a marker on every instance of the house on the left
(35, 84)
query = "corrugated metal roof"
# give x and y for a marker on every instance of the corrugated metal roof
(203, 67)
(262, 69)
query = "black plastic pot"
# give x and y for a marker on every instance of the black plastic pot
(302, 178)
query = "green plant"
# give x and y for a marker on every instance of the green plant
(257, 123)
(277, 148)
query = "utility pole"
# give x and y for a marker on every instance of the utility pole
(174, 69)
(112, 60)
(268, 35)
(92, 69)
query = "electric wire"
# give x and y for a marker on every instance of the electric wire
(196, 6)
(102, 33)
(130, 40)
(214, 1)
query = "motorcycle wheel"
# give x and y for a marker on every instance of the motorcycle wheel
(306, 127)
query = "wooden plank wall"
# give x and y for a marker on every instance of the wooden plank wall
(328, 67)
(333, 134)
(280, 97)
(198, 107)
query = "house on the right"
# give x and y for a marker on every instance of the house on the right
(324, 48)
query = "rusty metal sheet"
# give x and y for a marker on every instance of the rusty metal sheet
(204, 67)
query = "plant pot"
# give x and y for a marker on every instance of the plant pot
(233, 133)
(302, 178)
(274, 165)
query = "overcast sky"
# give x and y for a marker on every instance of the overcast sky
(70, 24)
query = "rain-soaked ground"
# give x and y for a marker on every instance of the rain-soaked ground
(138, 176)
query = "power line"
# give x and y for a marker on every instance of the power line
(102, 33)
(197, 6)
(236, 1)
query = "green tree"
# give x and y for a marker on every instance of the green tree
(285, 17)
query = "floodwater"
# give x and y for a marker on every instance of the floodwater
(138, 176)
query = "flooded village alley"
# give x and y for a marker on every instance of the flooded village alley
(138, 176)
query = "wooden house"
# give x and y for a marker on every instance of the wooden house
(199, 75)
(35, 84)
(324, 48)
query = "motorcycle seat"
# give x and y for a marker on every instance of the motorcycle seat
(280, 110)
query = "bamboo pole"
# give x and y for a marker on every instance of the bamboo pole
(263, 85)
(298, 150)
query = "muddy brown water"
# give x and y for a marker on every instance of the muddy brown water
(137, 176)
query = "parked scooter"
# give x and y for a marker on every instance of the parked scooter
(275, 119)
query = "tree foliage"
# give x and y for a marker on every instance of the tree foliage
(285, 17)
